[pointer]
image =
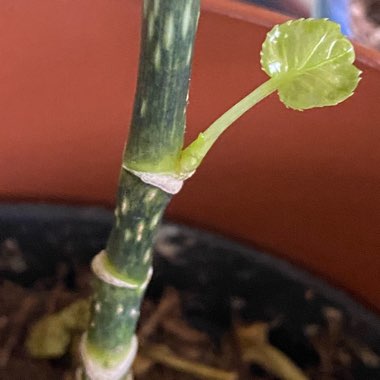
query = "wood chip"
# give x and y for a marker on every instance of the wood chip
(21, 316)
(183, 331)
(169, 302)
(256, 348)
(162, 354)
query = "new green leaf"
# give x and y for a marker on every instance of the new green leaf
(310, 64)
(313, 62)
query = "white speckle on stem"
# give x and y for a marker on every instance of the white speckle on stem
(155, 220)
(151, 195)
(124, 206)
(156, 7)
(140, 229)
(150, 26)
(98, 307)
(119, 309)
(117, 217)
(143, 107)
(127, 235)
(169, 31)
(157, 57)
(186, 20)
(147, 256)
(189, 54)
(134, 313)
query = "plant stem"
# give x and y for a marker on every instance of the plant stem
(193, 155)
(155, 143)
(158, 124)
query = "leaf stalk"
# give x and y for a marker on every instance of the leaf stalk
(193, 155)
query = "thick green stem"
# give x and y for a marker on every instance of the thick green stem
(158, 124)
(129, 256)
(155, 143)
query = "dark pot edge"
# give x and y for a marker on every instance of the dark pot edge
(101, 215)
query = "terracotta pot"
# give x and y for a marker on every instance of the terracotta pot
(303, 185)
(216, 279)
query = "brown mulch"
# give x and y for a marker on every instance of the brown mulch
(170, 348)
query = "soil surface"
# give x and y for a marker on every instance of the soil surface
(218, 320)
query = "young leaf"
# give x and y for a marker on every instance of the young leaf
(310, 64)
(313, 62)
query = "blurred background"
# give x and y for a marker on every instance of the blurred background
(360, 19)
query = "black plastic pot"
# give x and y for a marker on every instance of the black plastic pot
(219, 278)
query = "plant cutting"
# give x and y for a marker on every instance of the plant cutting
(156, 164)
(310, 64)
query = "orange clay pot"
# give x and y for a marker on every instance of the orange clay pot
(305, 186)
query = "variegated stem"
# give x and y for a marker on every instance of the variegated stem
(155, 142)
